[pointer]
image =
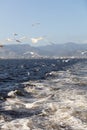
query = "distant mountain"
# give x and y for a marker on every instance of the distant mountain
(18, 51)
(55, 50)
(67, 49)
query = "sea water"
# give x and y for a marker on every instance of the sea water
(43, 94)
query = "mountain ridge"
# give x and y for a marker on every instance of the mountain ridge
(53, 50)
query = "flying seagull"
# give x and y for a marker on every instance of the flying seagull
(9, 40)
(35, 24)
(18, 41)
(1, 46)
(15, 34)
(37, 39)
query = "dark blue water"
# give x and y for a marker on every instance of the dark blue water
(15, 72)
(29, 100)
(23, 70)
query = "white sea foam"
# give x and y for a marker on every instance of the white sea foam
(56, 103)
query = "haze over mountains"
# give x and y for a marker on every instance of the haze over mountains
(54, 50)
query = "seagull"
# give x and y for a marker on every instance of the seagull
(37, 39)
(1, 46)
(15, 34)
(12, 40)
(18, 41)
(9, 40)
(34, 24)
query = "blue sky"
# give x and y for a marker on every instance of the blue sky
(60, 20)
